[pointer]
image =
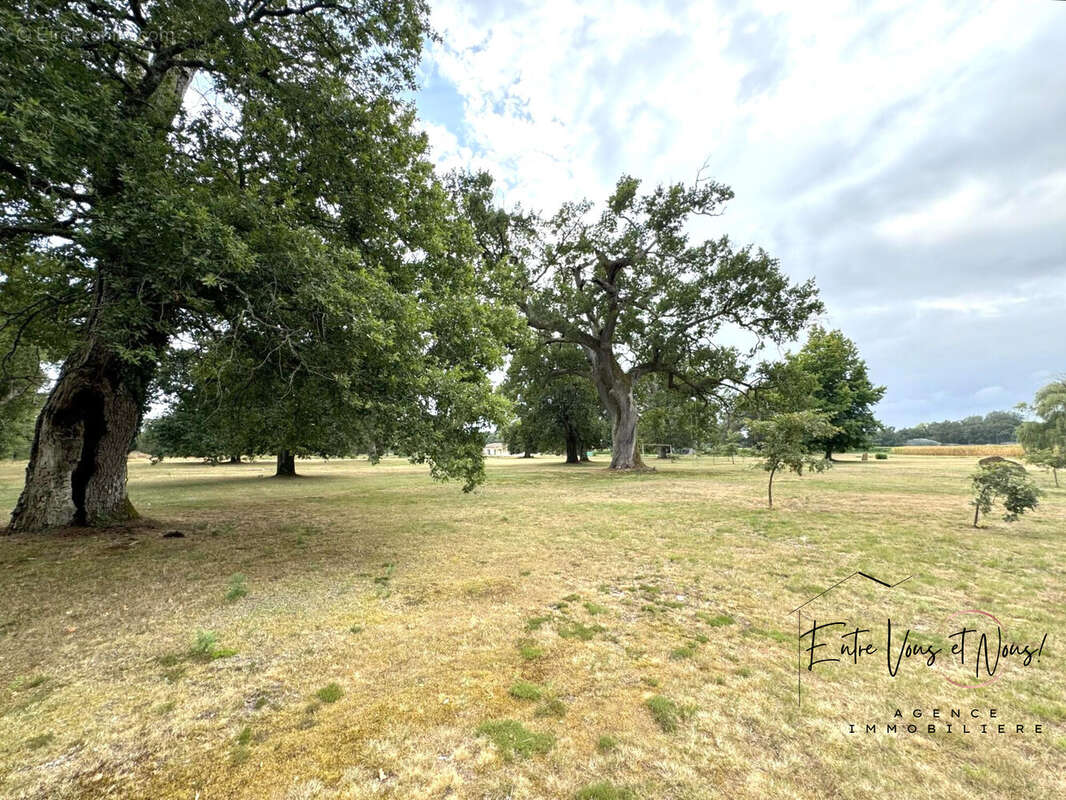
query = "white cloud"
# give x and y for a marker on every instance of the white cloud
(908, 155)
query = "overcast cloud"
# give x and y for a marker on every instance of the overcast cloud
(910, 156)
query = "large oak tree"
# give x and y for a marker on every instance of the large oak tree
(206, 170)
(639, 297)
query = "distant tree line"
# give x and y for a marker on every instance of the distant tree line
(996, 427)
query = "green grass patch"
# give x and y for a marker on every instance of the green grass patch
(594, 608)
(605, 791)
(529, 650)
(330, 693)
(524, 690)
(683, 652)
(536, 623)
(513, 738)
(606, 744)
(716, 621)
(37, 742)
(551, 707)
(579, 630)
(777, 636)
(32, 682)
(666, 713)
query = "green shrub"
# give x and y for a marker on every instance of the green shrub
(881, 456)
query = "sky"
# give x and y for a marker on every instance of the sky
(909, 156)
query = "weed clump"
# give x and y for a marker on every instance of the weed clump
(206, 648)
(238, 587)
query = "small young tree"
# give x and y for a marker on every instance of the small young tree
(1005, 481)
(790, 441)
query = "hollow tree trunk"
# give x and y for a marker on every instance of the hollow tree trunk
(77, 469)
(286, 464)
(571, 449)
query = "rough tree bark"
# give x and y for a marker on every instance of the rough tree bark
(286, 464)
(77, 469)
(615, 388)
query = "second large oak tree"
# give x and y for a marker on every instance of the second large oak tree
(630, 287)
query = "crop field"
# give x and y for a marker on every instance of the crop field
(562, 632)
(976, 450)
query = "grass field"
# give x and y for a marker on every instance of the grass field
(563, 632)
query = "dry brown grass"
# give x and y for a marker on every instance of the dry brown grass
(415, 600)
(980, 450)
